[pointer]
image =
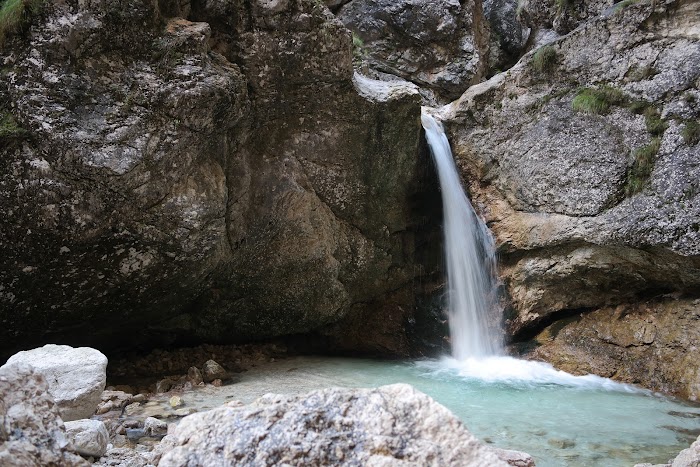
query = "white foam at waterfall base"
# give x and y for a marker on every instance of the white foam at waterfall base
(516, 372)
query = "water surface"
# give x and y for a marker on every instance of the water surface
(561, 420)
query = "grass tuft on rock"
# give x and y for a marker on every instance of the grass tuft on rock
(9, 127)
(14, 13)
(545, 59)
(597, 100)
(691, 133)
(655, 124)
(642, 166)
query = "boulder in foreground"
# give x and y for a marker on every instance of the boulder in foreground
(76, 376)
(388, 426)
(31, 430)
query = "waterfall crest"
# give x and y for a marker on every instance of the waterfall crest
(470, 256)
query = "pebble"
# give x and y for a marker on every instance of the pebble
(175, 401)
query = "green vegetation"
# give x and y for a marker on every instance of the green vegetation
(13, 15)
(9, 127)
(597, 100)
(358, 48)
(545, 59)
(563, 5)
(655, 124)
(624, 4)
(691, 132)
(642, 166)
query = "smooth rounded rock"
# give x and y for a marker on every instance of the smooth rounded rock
(76, 376)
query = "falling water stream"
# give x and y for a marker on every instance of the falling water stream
(560, 419)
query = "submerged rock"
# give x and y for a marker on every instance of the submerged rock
(32, 433)
(76, 376)
(391, 425)
(515, 458)
(89, 437)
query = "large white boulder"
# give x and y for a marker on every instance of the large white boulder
(31, 431)
(89, 437)
(76, 376)
(389, 426)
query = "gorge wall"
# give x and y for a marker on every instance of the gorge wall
(176, 172)
(226, 171)
(584, 159)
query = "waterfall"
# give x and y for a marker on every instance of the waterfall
(470, 256)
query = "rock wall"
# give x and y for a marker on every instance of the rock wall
(583, 158)
(205, 172)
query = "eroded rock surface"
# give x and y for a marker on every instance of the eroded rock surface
(391, 426)
(653, 344)
(221, 178)
(441, 45)
(89, 437)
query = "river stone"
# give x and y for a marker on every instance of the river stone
(89, 437)
(389, 426)
(212, 371)
(688, 457)
(515, 458)
(32, 433)
(76, 376)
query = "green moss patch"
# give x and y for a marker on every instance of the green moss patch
(597, 100)
(642, 166)
(545, 59)
(14, 15)
(691, 132)
(9, 127)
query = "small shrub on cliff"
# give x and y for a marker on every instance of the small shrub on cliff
(655, 124)
(691, 133)
(545, 59)
(597, 100)
(14, 13)
(642, 166)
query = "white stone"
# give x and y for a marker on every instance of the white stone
(389, 426)
(89, 437)
(76, 376)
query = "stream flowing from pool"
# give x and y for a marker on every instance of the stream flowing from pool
(558, 418)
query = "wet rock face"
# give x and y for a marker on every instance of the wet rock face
(553, 149)
(440, 45)
(649, 344)
(220, 179)
(392, 425)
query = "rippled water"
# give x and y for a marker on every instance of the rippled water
(561, 420)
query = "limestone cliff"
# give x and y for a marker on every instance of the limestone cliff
(210, 171)
(584, 159)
